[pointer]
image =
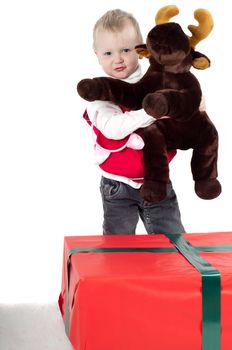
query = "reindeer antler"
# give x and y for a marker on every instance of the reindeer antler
(165, 13)
(200, 32)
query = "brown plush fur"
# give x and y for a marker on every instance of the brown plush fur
(167, 89)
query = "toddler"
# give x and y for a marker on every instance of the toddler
(118, 148)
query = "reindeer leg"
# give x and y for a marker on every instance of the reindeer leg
(204, 168)
(156, 169)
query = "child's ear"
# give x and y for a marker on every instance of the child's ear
(97, 56)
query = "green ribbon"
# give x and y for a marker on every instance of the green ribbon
(210, 282)
(211, 293)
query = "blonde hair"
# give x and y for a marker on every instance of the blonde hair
(115, 20)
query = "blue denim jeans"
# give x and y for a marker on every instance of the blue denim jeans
(123, 206)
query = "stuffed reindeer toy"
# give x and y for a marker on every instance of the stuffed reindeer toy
(171, 94)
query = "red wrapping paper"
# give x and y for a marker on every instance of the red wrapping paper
(136, 301)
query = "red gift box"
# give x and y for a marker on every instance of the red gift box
(146, 292)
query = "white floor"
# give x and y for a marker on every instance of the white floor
(32, 327)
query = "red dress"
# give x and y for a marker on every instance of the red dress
(122, 160)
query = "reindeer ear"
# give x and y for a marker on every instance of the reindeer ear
(200, 61)
(142, 51)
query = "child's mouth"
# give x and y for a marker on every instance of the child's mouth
(120, 69)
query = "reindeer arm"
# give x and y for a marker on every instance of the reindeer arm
(109, 89)
(117, 91)
(179, 100)
(182, 104)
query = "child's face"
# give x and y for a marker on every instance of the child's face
(115, 51)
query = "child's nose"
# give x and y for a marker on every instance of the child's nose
(118, 57)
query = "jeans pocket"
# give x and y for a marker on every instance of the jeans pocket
(109, 188)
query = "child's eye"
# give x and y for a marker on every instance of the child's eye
(107, 53)
(126, 50)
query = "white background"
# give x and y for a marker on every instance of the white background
(49, 186)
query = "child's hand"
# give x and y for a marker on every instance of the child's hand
(89, 89)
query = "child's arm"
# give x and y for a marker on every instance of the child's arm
(113, 123)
